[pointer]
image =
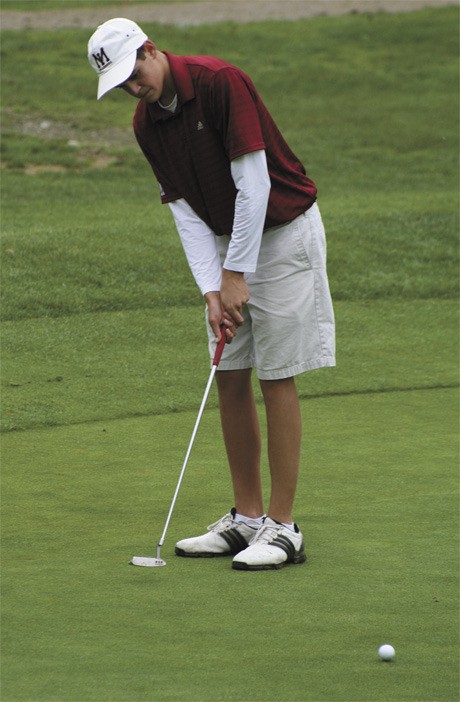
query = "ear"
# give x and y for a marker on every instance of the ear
(149, 48)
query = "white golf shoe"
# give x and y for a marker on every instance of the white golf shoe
(226, 537)
(272, 547)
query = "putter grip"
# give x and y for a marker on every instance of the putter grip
(220, 347)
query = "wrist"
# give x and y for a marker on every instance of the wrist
(212, 295)
(228, 273)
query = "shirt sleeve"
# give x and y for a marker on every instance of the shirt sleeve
(200, 247)
(252, 181)
(234, 104)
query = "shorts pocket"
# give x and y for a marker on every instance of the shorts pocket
(312, 239)
(302, 236)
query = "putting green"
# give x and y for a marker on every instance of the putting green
(376, 501)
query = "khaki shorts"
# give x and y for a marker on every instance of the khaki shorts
(289, 321)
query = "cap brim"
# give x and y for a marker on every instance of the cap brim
(116, 75)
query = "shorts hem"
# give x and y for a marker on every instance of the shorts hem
(235, 365)
(281, 373)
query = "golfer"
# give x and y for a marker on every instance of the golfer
(246, 213)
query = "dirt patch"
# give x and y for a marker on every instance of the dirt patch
(50, 168)
(194, 13)
(48, 129)
(99, 162)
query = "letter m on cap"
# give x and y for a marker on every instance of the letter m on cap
(102, 60)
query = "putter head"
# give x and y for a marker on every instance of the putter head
(147, 562)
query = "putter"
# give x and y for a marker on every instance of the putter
(151, 562)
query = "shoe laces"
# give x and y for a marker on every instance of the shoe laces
(267, 533)
(222, 523)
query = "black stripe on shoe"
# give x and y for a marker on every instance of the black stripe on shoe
(234, 539)
(288, 547)
(285, 545)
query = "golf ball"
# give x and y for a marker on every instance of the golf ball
(386, 652)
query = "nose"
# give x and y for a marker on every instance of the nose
(133, 87)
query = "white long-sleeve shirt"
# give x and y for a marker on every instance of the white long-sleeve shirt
(252, 181)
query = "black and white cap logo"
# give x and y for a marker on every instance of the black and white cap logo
(101, 60)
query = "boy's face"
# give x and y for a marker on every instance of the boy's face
(147, 79)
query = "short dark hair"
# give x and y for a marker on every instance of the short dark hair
(141, 53)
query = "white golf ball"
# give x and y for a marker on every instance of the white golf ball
(386, 652)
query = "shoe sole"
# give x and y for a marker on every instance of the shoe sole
(239, 565)
(205, 554)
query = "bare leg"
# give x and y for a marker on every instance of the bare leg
(284, 427)
(240, 426)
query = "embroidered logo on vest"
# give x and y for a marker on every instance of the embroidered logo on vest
(199, 126)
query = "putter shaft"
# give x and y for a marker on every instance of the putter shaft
(187, 455)
(139, 560)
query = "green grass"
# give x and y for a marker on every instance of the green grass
(386, 172)
(110, 365)
(382, 63)
(104, 362)
(69, 237)
(77, 221)
(376, 500)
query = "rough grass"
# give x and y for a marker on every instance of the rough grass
(108, 365)
(76, 248)
(376, 126)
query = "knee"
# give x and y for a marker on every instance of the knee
(274, 389)
(234, 383)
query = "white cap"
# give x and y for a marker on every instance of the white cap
(112, 52)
